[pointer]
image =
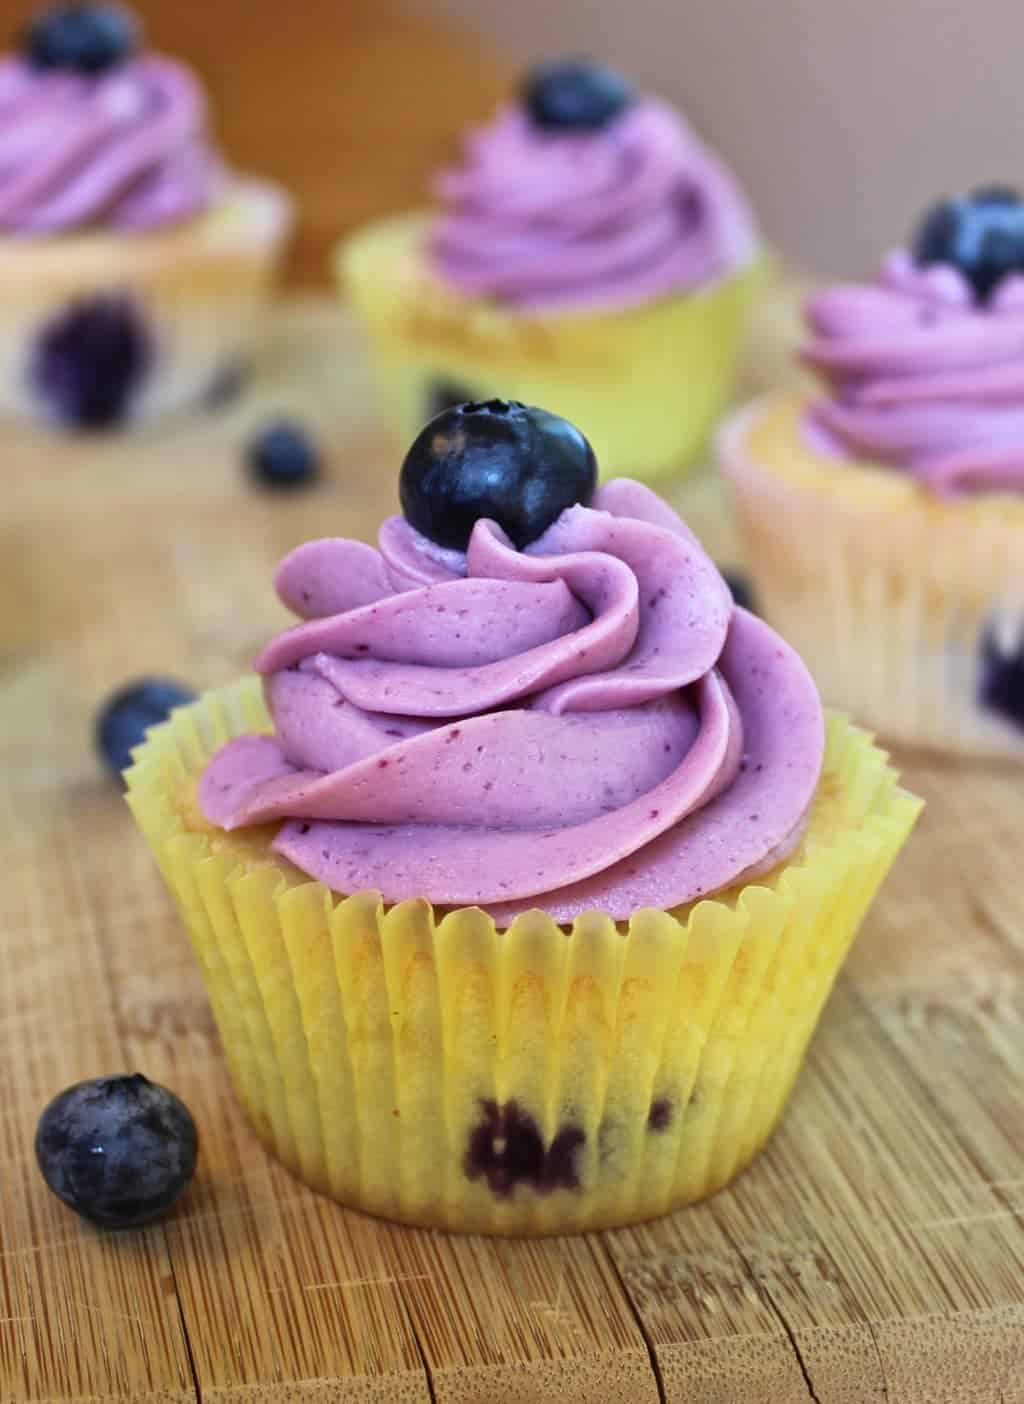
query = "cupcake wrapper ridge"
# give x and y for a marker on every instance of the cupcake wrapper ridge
(431, 1069)
(899, 604)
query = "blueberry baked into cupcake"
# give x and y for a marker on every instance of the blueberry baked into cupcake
(520, 884)
(884, 514)
(588, 254)
(133, 263)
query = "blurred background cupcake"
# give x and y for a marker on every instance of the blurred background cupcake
(883, 514)
(133, 262)
(588, 253)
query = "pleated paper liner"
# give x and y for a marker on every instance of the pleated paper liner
(895, 601)
(433, 1070)
(645, 384)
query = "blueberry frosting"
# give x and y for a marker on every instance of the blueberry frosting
(586, 723)
(548, 220)
(923, 375)
(126, 147)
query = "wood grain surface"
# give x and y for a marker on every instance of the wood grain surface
(875, 1253)
(350, 104)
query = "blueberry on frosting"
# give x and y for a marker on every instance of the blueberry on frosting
(981, 234)
(575, 95)
(82, 38)
(518, 466)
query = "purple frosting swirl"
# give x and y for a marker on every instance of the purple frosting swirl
(587, 723)
(126, 148)
(550, 221)
(923, 377)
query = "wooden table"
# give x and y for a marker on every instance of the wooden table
(874, 1253)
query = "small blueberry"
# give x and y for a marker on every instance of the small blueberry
(117, 1150)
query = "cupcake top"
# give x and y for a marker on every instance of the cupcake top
(925, 368)
(532, 694)
(583, 196)
(95, 132)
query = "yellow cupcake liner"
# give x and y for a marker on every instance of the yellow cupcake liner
(646, 385)
(886, 592)
(431, 1069)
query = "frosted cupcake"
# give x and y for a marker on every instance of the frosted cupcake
(519, 888)
(884, 515)
(589, 253)
(133, 264)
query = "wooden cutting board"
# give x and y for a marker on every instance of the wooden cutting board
(874, 1253)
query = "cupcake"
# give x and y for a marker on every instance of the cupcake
(588, 254)
(133, 263)
(519, 887)
(883, 514)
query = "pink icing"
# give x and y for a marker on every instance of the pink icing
(588, 723)
(923, 377)
(125, 148)
(587, 220)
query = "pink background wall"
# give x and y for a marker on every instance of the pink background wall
(844, 119)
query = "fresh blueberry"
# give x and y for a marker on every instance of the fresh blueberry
(117, 1150)
(445, 394)
(741, 589)
(575, 95)
(1002, 676)
(91, 360)
(982, 234)
(282, 455)
(519, 466)
(125, 719)
(84, 38)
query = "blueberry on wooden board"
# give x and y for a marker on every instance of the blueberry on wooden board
(117, 1150)
(124, 720)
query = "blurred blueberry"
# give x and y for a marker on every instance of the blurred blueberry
(282, 455)
(84, 38)
(91, 360)
(741, 589)
(124, 720)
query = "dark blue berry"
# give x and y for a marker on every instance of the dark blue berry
(575, 95)
(506, 1148)
(84, 38)
(125, 719)
(91, 360)
(519, 466)
(445, 394)
(982, 234)
(1002, 677)
(117, 1150)
(282, 455)
(741, 589)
